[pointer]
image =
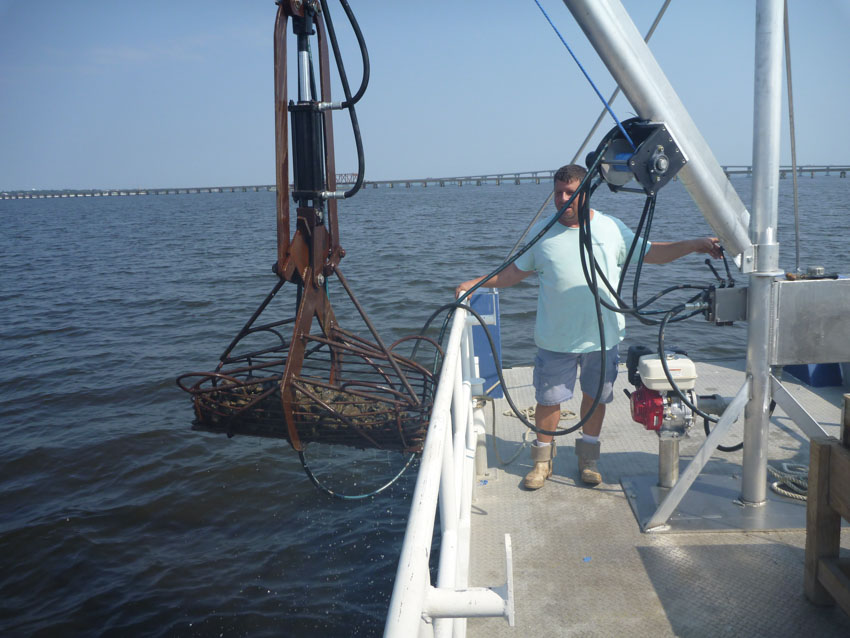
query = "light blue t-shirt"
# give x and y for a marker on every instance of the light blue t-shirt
(566, 313)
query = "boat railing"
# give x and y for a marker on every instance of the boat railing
(446, 479)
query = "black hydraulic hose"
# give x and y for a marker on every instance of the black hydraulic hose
(663, 358)
(639, 267)
(539, 235)
(729, 278)
(351, 497)
(584, 206)
(706, 417)
(646, 217)
(638, 311)
(507, 262)
(498, 364)
(737, 446)
(349, 100)
(722, 448)
(623, 308)
(646, 205)
(458, 304)
(364, 53)
(586, 245)
(361, 160)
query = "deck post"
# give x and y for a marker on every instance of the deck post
(763, 234)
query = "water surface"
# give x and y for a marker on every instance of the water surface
(117, 519)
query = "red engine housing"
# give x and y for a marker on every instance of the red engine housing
(647, 408)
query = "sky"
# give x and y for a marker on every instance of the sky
(106, 94)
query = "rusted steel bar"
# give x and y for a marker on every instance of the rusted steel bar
(377, 337)
(250, 321)
(281, 138)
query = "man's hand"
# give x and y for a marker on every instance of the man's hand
(466, 285)
(708, 246)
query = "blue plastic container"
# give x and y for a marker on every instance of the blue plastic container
(485, 301)
(817, 375)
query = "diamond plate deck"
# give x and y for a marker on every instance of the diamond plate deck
(582, 566)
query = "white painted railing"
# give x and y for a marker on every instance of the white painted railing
(446, 478)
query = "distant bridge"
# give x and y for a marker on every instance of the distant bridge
(347, 179)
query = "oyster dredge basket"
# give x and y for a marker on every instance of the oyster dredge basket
(348, 391)
(319, 382)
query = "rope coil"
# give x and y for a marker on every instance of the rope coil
(793, 480)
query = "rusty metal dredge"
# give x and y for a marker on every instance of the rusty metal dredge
(327, 384)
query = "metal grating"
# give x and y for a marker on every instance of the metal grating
(582, 567)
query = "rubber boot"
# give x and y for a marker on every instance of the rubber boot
(588, 454)
(542, 457)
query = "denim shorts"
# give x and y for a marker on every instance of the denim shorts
(555, 375)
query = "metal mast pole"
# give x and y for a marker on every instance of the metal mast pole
(763, 226)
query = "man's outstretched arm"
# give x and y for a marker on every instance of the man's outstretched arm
(663, 252)
(508, 277)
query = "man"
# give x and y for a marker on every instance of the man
(566, 330)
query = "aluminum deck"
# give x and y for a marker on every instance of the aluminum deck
(583, 567)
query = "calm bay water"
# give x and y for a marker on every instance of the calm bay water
(117, 519)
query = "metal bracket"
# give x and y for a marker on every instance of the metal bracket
(674, 496)
(475, 602)
(785, 400)
(746, 261)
